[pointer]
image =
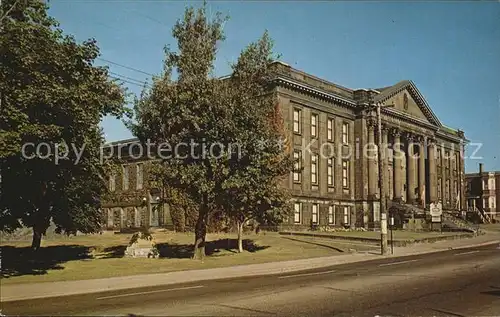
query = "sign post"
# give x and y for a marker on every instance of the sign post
(392, 226)
(436, 213)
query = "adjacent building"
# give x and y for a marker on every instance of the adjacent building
(483, 194)
(331, 130)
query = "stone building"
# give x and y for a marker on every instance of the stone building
(483, 194)
(330, 127)
(133, 202)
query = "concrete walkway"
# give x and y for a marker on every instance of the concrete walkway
(51, 289)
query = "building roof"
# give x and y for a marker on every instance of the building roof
(470, 175)
(321, 88)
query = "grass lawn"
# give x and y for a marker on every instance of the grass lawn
(397, 234)
(493, 227)
(99, 256)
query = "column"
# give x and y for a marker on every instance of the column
(372, 162)
(421, 171)
(461, 173)
(397, 165)
(385, 161)
(410, 188)
(431, 150)
(453, 178)
(443, 175)
(122, 218)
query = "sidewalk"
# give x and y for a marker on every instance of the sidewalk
(53, 289)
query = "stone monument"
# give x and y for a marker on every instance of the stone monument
(142, 245)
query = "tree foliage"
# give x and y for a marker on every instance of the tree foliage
(252, 189)
(51, 93)
(228, 123)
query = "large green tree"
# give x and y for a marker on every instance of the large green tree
(182, 111)
(253, 189)
(51, 94)
(217, 118)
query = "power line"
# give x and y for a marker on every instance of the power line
(130, 78)
(125, 66)
(130, 82)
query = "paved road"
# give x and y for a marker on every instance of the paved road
(452, 283)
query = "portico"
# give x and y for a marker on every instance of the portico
(405, 163)
(422, 161)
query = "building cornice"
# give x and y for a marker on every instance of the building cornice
(450, 137)
(320, 94)
(405, 117)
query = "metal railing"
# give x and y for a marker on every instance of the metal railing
(485, 218)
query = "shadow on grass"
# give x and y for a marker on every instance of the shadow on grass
(18, 261)
(117, 251)
(22, 261)
(184, 251)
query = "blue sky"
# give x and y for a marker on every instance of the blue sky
(450, 50)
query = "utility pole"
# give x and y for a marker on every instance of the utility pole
(380, 157)
(383, 208)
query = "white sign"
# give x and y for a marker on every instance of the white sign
(436, 219)
(436, 210)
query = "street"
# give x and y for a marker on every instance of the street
(462, 282)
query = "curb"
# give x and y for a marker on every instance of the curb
(65, 288)
(376, 242)
(482, 244)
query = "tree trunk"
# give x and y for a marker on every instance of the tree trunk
(240, 236)
(41, 219)
(200, 233)
(37, 238)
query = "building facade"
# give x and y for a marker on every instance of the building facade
(331, 130)
(483, 193)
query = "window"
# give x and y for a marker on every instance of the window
(485, 203)
(329, 129)
(447, 189)
(439, 156)
(315, 213)
(297, 212)
(485, 185)
(297, 113)
(139, 176)
(491, 184)
(125, 177)
(331, 215)
(455, 189)
(346, 215)
(330, 173)
(492, 202)
(345, 133)
(345, 174)
(112, 182)
(314, 169)
(314, 125)
(439, 189)
(447, 162)
(297, 168)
